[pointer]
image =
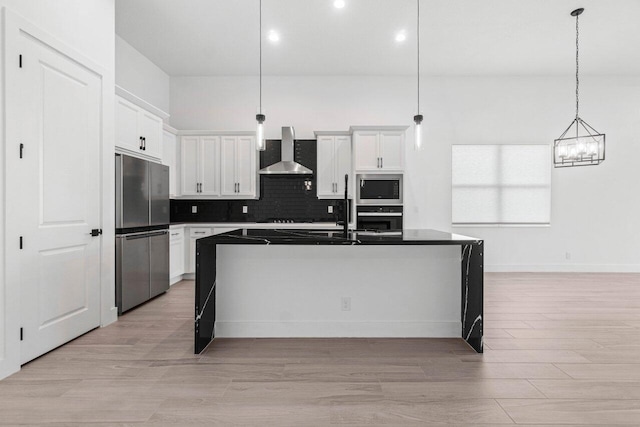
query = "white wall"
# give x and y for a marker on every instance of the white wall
(140, 76)
(88, 28)
(594, 209)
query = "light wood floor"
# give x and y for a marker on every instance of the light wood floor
(560, 349)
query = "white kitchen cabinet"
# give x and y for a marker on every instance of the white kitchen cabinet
(200, 166)
(379, 150)
(176, 254)
(238, 166)
(333, 163)
(169, 155)
(195, 233)
(138, 131)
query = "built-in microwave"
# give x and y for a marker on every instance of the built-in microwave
(379, 189)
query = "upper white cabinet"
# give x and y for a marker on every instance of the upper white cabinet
(238, 166)
(169, 158)
(138, 131)
(333, 163)
(222, 166)
(380, 150)
(200, 166)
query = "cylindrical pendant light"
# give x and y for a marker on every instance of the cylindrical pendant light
(417, 131)
(260, 117)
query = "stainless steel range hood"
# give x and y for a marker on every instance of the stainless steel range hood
(287, 166)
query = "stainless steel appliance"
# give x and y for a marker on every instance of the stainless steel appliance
(379, 218)
(379, 189)
(287, 165)
(142, 231)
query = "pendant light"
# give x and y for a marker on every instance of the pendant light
(583, 146)
(417, 131)
(260, 117)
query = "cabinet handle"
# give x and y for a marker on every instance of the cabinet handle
(175, 234)
(199, 232)
(200, 186)
(141, 143)
(382, 162)
(144, 143)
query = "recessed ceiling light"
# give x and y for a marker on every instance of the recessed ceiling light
(401, 36)
(273, 36)
(338, 4)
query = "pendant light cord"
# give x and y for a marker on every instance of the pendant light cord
(260, 29)
(577, 68)
(418, 42)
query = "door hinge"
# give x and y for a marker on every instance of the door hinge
(20, 242)
(20, 61)
(21, 334)
(21, 149)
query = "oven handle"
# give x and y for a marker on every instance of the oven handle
(379, 213)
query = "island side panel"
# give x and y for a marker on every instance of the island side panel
(205, 307)
(472, 261)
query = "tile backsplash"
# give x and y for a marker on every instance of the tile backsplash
(281, 196)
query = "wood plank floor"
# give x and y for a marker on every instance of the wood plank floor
(561, 349)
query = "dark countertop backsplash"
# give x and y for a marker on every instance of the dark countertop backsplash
(281, 196)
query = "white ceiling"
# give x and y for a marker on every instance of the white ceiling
(220, 37)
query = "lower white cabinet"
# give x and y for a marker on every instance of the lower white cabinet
(195, 233)
(176, 254)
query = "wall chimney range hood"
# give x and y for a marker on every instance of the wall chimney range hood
(286, 166)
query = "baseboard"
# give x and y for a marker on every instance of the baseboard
(112, 316)
(338, 329)
(189, 276)
(175, 280)
(562, 268)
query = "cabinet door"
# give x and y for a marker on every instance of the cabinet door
(195, 234)
(151, 129)
(209, 165)
(246, 166)
(343, 162)
(366, 151)
(227, 166)
(169, 159)
(189, 165)
(326, 167)
(176, 258)
(392, 150)
(127, 135)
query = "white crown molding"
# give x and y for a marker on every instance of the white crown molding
(140, 102)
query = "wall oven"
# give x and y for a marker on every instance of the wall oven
(379, 218)
(378, 189)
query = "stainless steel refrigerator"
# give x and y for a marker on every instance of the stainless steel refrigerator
(142, 231)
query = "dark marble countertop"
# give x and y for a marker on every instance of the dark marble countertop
(328, 237)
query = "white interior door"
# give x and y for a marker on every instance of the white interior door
(60, 187)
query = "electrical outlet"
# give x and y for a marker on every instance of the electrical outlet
(194, 209)
(330, 209)
(245, 209)
(567, 255)
(346, 304)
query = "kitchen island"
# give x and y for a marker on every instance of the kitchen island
(406, 271)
